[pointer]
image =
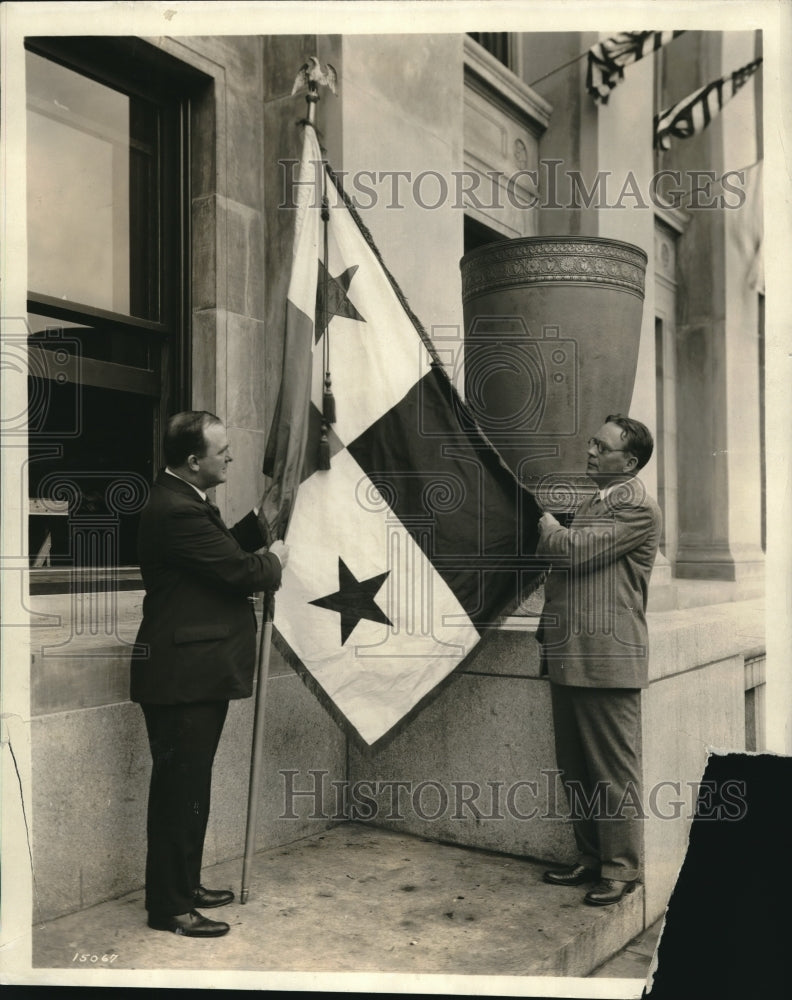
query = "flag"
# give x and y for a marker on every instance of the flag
(607, 59)
(694, 113)
(285, 451)
(417, 537)
(746, 230)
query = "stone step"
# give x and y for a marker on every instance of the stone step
(359, 899)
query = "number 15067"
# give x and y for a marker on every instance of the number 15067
(89, 958)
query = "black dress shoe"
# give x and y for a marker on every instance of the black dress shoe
(190, 924)
(205, 899)
(571, 875)
(609, 890)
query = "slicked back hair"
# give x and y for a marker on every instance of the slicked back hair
(185, 436)
(636, 436)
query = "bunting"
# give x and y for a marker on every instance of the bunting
(417, 537)
(694, 113)
(607, 59)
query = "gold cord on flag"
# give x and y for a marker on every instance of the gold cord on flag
(312, 75)
(328, 400)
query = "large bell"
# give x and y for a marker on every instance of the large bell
(552, 328)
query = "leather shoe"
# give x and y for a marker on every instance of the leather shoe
(205, 899)
(190, 924)
(571, 875)
(609, 890)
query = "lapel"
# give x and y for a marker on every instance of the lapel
(619, 498)
(590, 507)
(216, 516)
(183, 489)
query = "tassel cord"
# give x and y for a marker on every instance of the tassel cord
(325, 278)
(327, 415)
(328, 400)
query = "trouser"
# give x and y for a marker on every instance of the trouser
(597, 739)
(183, 741)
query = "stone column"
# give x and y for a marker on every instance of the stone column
(717, 350)
(625, 162)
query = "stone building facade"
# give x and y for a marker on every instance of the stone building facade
(446, 141)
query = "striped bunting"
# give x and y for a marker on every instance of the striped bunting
(607, 59)
(417, 538)
(694, 113)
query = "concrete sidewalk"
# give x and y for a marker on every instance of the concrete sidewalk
(358, 899)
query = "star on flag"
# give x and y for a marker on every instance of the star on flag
(354, 600)
(338, 302)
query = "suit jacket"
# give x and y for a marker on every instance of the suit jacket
(197, 639)
(593, 625)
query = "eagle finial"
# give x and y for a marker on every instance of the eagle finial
(312, 76)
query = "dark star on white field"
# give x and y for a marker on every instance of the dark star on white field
(338, 301)
(354, 600)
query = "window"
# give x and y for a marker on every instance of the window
(477, 234)
(107, 296)
(496, 43)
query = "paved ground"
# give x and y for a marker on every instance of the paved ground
(356, 901)
(633, 961)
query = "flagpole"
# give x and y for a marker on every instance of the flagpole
(265, 648)
(310, 75)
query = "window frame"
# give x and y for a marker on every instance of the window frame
(499, 44)
(141, 70)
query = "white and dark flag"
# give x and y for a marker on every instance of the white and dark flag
(607, 59)
(693, 113)
(417, 537)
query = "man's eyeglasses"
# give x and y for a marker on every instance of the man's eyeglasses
(602, 448)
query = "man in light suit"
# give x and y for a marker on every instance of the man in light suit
(196, 649)
(595, 650)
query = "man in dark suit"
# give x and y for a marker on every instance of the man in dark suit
(196, 649)
(595, 650)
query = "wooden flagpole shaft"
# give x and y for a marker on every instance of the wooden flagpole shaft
(265, 647)
(312, 97)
